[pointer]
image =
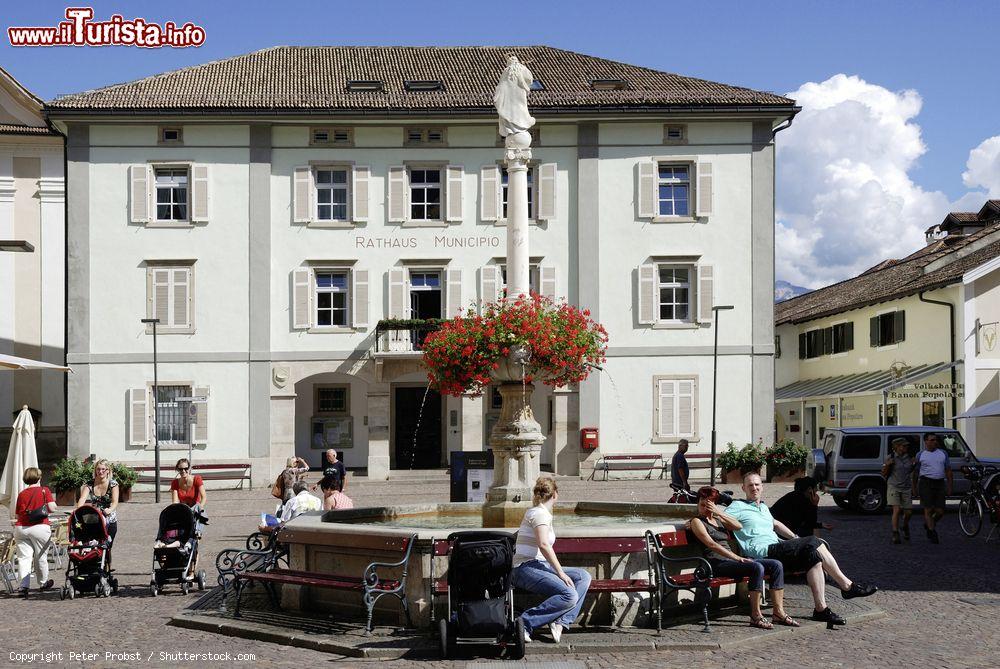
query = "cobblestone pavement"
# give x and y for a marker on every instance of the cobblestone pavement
(942, 601)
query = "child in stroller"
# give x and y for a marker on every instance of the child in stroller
(175, 551)
(89, 554)
(480, 594)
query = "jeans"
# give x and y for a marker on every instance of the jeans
(753, 571)
(563, 604)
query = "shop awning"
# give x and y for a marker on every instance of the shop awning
(857, 384)
(988, 409)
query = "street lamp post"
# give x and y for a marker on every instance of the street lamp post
(715, 376)
(156, 414)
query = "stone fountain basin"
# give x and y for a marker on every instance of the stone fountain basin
(321, 542)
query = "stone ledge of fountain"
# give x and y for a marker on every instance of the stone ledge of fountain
(316, 543)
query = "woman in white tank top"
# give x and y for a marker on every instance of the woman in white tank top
(537, 569)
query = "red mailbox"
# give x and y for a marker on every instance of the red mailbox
(589, 440)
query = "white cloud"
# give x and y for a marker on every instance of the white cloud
(984, 167)
(845, 200)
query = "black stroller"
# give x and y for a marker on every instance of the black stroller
(176, 548)
(480, 594)
(89, 553)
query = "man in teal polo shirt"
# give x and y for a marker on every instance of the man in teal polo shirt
(759, 538)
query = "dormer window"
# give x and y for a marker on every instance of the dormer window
(425, 136)
(423, 85)
(171, 135)
(537, 85)
(327, 136)
(365, 85)
(607, 84)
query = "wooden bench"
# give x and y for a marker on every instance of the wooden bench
(224, 471)
(369, 584)
(570, 546)
(700, 582)
(263, 552)
(629, 462)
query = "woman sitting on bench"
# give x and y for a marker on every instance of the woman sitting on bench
(711, 528)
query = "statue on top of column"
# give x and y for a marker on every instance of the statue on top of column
(511, 99)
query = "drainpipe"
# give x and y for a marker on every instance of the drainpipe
(951, 349)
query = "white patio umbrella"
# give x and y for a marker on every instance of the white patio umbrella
(20, 456)
(13, 362)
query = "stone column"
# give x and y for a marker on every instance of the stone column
(516, 441)
(516, 157)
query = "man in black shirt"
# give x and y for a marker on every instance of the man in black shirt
(679, 470)
(334, 470)
(797, 509)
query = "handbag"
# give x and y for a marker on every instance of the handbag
(278, 489)
(39, 514)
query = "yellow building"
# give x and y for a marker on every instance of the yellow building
(982, 355)
(886, 346)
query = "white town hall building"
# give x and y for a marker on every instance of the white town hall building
(295, 216)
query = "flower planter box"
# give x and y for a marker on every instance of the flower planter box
(66, 498)
(125, 493)
(785, 476)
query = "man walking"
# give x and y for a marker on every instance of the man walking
(930, 475)
(679, 470)
(758, 538)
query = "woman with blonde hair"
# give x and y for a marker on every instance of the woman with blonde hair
(537, 569)
(32, 531)
(103, 494)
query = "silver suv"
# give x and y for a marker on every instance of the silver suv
(849, 464)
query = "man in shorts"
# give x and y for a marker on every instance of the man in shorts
(898, 473)
(758, 538)
(932, 480)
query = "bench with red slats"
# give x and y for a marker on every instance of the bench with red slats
(628, 462)
(215, 471)
(369, 583)
(571, 546)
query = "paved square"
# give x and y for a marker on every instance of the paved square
(941, 601)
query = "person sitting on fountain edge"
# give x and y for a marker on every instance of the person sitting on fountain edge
(758, 538)
(797, 509)
(537, 569)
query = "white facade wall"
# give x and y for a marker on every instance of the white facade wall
(219, 353)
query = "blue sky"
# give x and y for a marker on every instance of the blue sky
(940, 50)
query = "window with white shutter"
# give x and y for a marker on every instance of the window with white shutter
(361, 176)
(454, 193)
(675, 293)
(675, 402)
(547, 191)
(489, 187)
(398, 194)
(138, 417)
(454, 292)
(674, 189)
(489, 285)
(138, 179)
(329, 298)
(169, 297)
(181, 411)
(302, 194)
(201, 193)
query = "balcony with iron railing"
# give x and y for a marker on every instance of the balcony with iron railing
(402, 338)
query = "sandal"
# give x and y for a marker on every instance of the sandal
(786, 620)
(761, 623)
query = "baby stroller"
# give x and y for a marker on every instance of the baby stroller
(176, 549)
(89, 553)
(480, 594)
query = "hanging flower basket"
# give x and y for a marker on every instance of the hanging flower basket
(525, 339)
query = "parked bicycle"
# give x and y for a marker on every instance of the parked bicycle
(983, 499)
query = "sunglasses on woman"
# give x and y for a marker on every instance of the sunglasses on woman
(183, 469)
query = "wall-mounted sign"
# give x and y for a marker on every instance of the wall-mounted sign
(833, 411)
(439, 242)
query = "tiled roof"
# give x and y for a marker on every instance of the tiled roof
(13, 129)
(917, 272)
(315, 79)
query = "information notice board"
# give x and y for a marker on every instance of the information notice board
(471, 475)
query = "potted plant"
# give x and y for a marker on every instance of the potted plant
(736, 463)
(67, 478)
(126, 477)
(786, 461)
(729, 464)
